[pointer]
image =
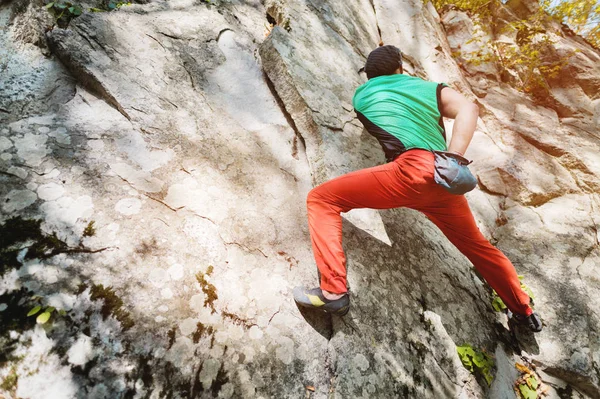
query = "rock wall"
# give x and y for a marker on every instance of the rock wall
(190, 133)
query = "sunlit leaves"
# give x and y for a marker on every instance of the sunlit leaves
(43, 317)
(528, 62)
(34, 311)
(498, 304)
(528, 385)
(583, 16)
(476, 361)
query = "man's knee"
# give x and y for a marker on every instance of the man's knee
(313, 196)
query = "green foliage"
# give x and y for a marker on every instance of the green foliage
(529, 62)
(527, 392)
(111, 5)
(476, 361)
(527, 386)
(43, 317)
(34, 311)
(9, 383)
(480, 7)
(113, 305)
(530, 57)
(499, 305)
(583, 16)
(497, 302)
(63, 11)
(89, 230)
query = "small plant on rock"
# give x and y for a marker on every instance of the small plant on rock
(110, 5)
(499, 305)
(9, 383)
(46, 314)
(476, 361)
(63, 11)
(90, 229)
(528, 385)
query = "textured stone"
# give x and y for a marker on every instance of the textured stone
(191, 141)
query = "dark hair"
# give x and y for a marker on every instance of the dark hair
(383, 60)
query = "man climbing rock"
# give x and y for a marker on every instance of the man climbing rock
(405, 114)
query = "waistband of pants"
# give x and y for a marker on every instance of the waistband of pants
(415, 154)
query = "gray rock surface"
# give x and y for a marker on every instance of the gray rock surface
(190, 134)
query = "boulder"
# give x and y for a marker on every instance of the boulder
(470, 44)
(167, 190)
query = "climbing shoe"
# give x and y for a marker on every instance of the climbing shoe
(532, 322)
(314, 299)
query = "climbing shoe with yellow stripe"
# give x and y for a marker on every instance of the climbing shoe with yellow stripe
(314, 299)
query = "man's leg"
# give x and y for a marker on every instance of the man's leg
(454, 218)
(392, 185)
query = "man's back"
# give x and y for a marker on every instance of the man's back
(403, 107)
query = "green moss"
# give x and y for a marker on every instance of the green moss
(113, 305)
(477, 361)
(238, 320)
(209, 290)
(81, 287)
(10, 381)
(89, 230)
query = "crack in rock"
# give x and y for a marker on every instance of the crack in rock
(61, 43)
(288, 117)
(377, 22)
(246, 248)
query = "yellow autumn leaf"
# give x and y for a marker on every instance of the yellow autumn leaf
(523, 369)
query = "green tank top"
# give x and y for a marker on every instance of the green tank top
(404, 107)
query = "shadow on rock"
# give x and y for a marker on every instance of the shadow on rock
(319, 320)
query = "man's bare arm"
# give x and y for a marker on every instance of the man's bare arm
(456, 106)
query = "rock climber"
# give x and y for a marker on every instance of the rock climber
(404, 113)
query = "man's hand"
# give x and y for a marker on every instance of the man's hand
(456, 106)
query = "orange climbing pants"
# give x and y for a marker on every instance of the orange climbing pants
(405, 182)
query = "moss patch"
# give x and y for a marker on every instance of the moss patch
(209, 290)
(113, 305)
(90, 230)
(238, 320)
(201, 330)
(9, 383)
